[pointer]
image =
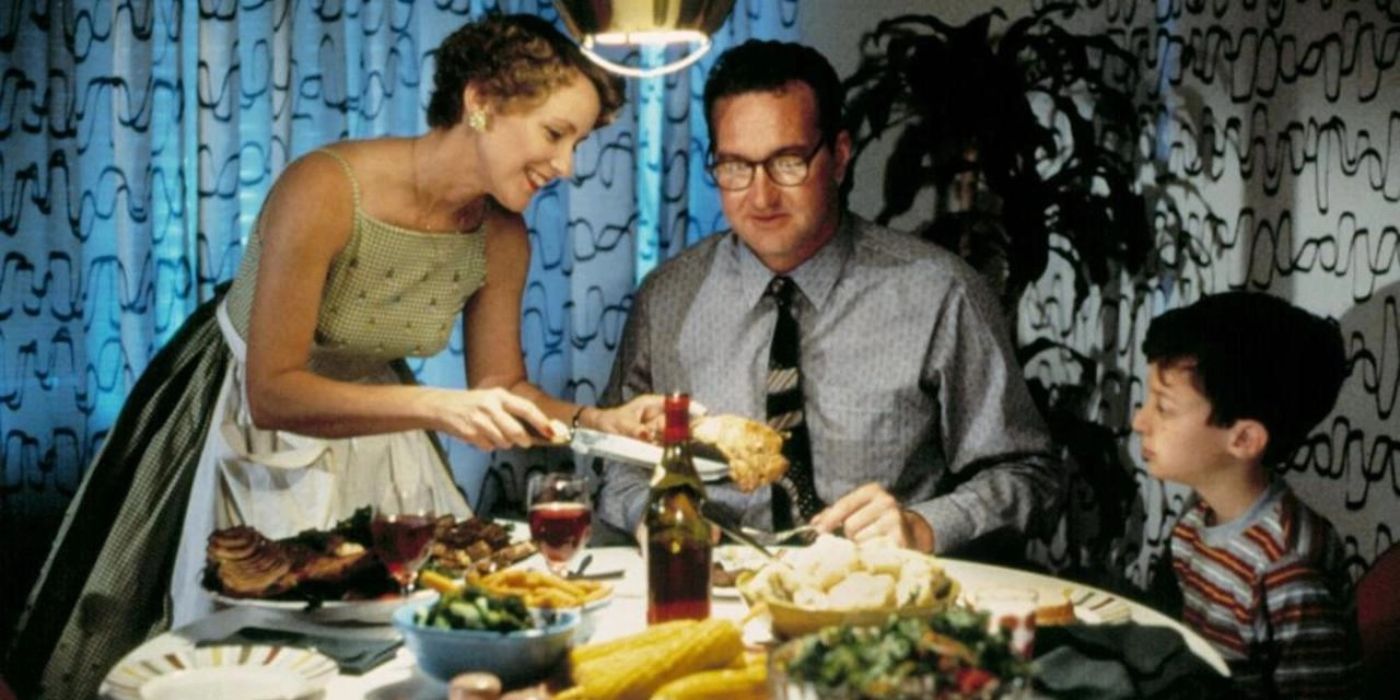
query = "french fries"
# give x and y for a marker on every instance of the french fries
(542, 590)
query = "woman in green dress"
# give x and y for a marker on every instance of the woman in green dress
(284, 402)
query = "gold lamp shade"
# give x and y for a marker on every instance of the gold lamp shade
(637, 22)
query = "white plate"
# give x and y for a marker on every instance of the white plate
(246, 672)
(519, 529)
(725, 593)
(1096, 607)
(1091, 606)
(606, 564)
(378, 611)
(735, 557)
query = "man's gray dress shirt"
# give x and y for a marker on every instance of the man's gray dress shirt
(909, 377)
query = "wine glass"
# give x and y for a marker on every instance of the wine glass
(401, 541)
(1011, 609)
(561, 517)
(402, 532)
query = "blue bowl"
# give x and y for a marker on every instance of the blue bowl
(517, 658)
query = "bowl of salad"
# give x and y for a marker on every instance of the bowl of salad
(469, 629)
(949, 655)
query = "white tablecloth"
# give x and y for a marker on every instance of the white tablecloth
(400, 679)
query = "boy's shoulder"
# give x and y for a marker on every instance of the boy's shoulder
(1284, 535)
(1304, 537)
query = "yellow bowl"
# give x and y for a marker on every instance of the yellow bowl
(790, 620)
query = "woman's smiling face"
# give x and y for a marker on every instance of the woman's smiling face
(526, 146)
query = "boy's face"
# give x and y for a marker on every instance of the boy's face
(1178, 441)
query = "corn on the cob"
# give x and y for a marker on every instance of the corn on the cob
(748, 683)
(647, 637)
(635, 675)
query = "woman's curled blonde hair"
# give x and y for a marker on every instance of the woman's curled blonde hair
(513, 58)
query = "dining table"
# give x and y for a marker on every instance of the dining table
(399, 678)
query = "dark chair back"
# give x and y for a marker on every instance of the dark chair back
(1378, 620)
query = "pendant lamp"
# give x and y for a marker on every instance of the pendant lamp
(598, 23)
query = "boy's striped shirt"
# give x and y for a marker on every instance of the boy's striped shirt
(1269, 590)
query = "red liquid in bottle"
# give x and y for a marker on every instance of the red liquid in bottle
(680, 582)
(559, 529)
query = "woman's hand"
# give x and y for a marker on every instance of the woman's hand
(490, 419)
(643, 417)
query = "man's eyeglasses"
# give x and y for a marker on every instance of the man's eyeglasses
(784, 169)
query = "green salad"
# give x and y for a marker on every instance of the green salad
(948, 655)
(471, 608)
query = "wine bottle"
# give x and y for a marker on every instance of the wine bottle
(678, 547)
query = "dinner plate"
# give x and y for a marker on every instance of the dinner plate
(1096, 607)
(735, 558)
(1091, 605)
(245, 672)
(606, 563)
(378, 611)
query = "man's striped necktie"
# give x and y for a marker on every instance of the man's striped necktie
(786, 412)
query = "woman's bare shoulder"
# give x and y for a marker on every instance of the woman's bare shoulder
(369, 157)
(313, 195)
(316, 172)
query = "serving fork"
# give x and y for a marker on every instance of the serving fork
(807, 532)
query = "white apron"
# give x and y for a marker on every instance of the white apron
(282, 483)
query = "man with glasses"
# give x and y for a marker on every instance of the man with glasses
(884, 358)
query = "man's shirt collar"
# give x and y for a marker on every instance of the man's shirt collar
(815, 278)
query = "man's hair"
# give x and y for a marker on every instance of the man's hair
(767, 66)
(513, 58)
(1255, 357)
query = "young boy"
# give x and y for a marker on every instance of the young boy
(1235, 382)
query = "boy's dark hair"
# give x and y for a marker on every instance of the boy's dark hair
(1256, 357)
(510, 58)
(766, 66)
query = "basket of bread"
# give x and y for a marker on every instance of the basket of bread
(838, 582)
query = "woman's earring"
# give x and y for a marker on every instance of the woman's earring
(476, 119)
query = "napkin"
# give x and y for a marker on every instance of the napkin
(1122, 661)
(354, 656)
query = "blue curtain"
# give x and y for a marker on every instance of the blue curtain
(140, 138)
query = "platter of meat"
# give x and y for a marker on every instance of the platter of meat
(331, 575)
(477, 545)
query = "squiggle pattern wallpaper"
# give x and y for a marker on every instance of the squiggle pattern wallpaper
(140, 138)
(1274, 130)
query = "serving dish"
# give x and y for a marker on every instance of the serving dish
(376, 611)
(517, 658)
(245, 672)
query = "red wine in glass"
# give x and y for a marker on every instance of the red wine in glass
(560, 530)
(560, 514)
(401, 543)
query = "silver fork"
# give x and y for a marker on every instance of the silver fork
(771, 538)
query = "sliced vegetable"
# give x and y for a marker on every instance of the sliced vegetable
(472, 608)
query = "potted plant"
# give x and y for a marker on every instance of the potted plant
(1028, 140)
